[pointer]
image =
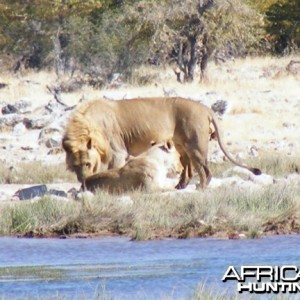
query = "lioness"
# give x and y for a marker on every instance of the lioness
(147, 171)
(101, 135)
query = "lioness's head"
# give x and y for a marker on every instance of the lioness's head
(166, 155)
(84, 159)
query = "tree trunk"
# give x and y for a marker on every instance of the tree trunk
(193, 59)
(59, 68)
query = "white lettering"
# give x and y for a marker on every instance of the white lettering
(246, 272)
(265, 272)
(285, 269)
(265, 279)
(245, 287)
(228, 276)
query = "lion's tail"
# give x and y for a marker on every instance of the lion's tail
(255, 171)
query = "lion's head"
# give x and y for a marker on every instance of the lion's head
(147, 171)
(87, 149)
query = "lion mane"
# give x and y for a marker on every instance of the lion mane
(81, 133)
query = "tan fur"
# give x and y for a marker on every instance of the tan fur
(147, 171)
(117, 129)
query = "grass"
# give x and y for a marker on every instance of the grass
(32, 273)
(275, 165)
(201, 292)
(221, 212)
(42, 174)
(271, 164)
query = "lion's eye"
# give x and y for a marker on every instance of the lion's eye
(88, 165)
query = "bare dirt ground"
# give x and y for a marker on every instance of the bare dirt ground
(262, 118)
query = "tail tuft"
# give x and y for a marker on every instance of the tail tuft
(256, 171)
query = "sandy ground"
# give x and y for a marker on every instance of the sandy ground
(262, 116)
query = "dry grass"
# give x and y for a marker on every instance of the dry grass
(220, 212)
(272, 164)
(35, 173)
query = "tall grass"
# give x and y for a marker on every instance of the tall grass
(223, 212)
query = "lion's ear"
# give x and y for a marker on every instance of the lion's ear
(66, 145)
(169, 144)
(89, 144)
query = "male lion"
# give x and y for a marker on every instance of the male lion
(147, 171)
(101, 135)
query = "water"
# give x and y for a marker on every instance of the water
(170, 268)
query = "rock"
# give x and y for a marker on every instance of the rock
(10, 120)
(20, 107)
(39, 122)
(263, 179)
(3, 85)
(54, 141)
(293, 67)
(219, 107)
(58, 193)
(288, 124)
(31, 192)
(84, 195)
(19, 129)
(242, 236)
(8, 109)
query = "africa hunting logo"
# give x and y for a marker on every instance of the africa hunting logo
(265, 279)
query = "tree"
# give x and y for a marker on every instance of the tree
(109, 36)
(35, 28)
(187, 32)
(284, 24)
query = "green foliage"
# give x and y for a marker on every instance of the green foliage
(159, 32)
(102, 37)
(262, 6)
(284, 24)
(235, 27)
(29, 28)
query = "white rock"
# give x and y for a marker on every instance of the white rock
(85, 194)
(263, 179)
(54, 141)
(19, 129)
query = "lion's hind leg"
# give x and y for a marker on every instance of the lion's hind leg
(199, 160)
(186, 173)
